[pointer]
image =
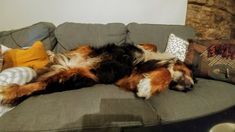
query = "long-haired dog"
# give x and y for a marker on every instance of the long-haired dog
(137, 68)
(154, 76)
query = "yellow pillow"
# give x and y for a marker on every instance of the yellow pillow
(34, 57)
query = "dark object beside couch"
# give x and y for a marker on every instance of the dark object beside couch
(106, 107)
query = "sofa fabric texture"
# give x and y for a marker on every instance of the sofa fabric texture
(208, 97)
(108, 107)
(71, 35)
(25, 37)
(93, 107)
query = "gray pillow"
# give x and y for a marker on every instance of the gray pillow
(25, 37)
(71, 35)
(156, 34)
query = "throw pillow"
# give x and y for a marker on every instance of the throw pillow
(34, 57)
(177, 47)
(213, 59)
(17, 75)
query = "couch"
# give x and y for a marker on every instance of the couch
(107, 107)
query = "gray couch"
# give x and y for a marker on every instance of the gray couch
(106, 107)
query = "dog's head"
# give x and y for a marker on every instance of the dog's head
(182, 76)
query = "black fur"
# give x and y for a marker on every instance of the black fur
(150, 65)
(194, 69)
(117, 61)
(110, 71)
(75, 82)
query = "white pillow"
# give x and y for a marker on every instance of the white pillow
(17, 75)
(177, 47)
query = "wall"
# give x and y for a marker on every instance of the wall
(213, 19)
(19, 13)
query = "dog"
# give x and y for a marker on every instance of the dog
(155, 76)
(132, 67)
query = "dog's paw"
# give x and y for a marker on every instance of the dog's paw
(8, 94)
(144, 88)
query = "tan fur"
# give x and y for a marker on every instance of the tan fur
(149, 47)
(77, 61)
(180, 66)
(160, 80)
(160, 77)
(150, 53)
(130, 82)
(83, 50)
(13, 92)
(64, 66)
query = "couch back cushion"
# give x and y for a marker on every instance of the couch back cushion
(72, 35)
(25, 37)
(156, 34)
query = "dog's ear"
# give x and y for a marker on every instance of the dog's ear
(147, 66)
(193, 68)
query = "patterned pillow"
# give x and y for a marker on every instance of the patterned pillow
(17, 75)
(212, 59)
(177, 47)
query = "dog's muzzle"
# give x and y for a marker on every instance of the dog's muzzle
(186, 84)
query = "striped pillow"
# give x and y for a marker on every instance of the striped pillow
(17, 75)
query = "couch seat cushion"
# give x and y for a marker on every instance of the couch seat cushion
(71, 35)
(101, 106)
(208, 97)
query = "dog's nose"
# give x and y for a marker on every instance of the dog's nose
(189, 85)
(188, 88)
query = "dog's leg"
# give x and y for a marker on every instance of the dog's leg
(12, 93)
(154, 81)
(129, 82)
(82, 71)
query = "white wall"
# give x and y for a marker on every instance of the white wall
(19, 13)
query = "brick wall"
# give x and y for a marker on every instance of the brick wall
(213, 19)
